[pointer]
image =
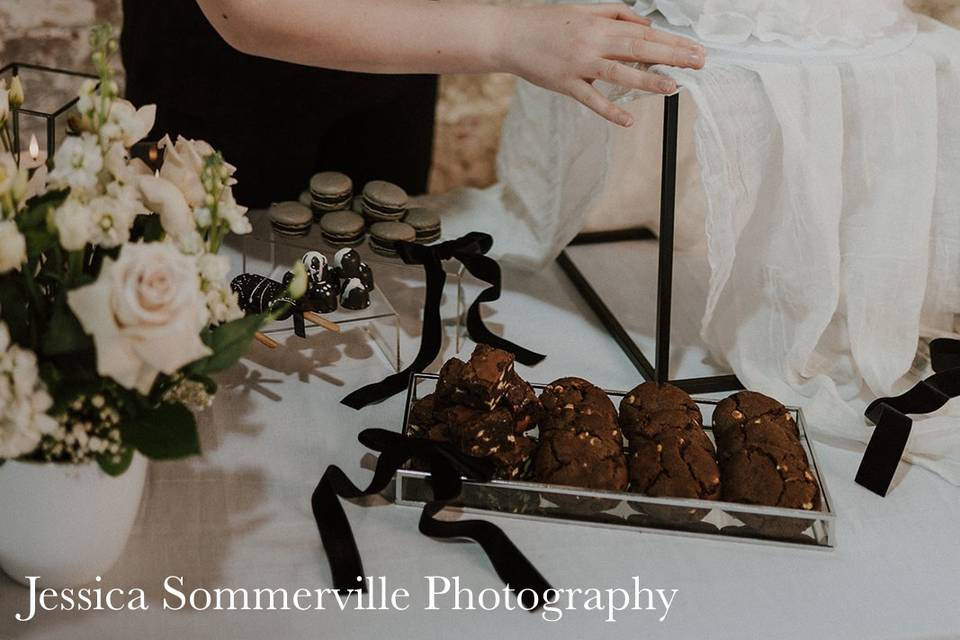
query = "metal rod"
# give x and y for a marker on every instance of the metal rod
(668, 194)
(617, 235)
(609, 320)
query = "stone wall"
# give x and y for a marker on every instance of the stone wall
(469, 113)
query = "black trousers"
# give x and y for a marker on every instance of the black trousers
(278, 123)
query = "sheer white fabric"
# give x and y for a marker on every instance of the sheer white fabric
(798, 23)
(828, 197)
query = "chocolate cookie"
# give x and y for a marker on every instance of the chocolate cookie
(480, 382)
(745, 406)
(638, 407)
(577, 406)
(581, 460)
(763, 463)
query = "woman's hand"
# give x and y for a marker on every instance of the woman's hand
(565, 48)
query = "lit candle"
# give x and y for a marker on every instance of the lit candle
(33, 157)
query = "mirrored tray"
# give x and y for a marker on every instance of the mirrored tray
(679, 516)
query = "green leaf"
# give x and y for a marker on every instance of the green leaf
(116, 465)
(38, 241)
(229, 343)
(37, 209)
(166, 432)
(64, 333)
(15, 310)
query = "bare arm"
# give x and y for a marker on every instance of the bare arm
(562, 47)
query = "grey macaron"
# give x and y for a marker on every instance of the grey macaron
(290, 218)
(330, 191)
(342, 228)
(384, 201)
(425, 222)
(384, 236)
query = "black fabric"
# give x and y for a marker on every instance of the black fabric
(892, 420)
(470, 250)
(277, 122)
(447, 465)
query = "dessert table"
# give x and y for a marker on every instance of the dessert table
(240, 515)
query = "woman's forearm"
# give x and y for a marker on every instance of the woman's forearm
(563, 47)
(374, 36)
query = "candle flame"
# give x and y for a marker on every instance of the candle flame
(152, 154)
(34, 147)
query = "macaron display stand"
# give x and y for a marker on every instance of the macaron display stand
(708, 519)
(265, 251)
(659, 370)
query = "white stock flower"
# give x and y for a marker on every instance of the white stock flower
(74, 223)
(13, 246)
(77, 164)
(4, 103)
(86, 102)
(145, 313)
(127, 124)
(233, 213)
(165, 199)
(111, 221)
(8, 172)
(24, 400)
(222, 301)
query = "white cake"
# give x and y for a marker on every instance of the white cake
(798, 23)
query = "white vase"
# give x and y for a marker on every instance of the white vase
(65, 523)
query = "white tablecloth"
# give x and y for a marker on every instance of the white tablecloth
(240, 516)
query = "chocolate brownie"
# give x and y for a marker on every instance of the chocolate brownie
(577, 406)
(479, 382)
(522, 402)
(763, 463)
(488, 434)
(580, 460)
(644, 401)
(745, 406)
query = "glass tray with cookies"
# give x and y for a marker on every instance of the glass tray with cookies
(652, 459)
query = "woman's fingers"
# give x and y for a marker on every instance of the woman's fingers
(617, 11)
(637, 50)
(630, 78)
(584, 93)
(652, 34)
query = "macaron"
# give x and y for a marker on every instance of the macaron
(384, 201)
(342, 228)
(290, 218)
(425, 222)
(305, 199)
(384, 236)
(330, 191)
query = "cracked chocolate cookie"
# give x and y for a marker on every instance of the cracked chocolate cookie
(576, 406)
(744, 406)
(480, 382)
(646, 400)
(762, 462)
(579, 459)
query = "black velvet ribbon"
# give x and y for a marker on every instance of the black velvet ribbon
(446, 465)
(892, 419)
(471, 251)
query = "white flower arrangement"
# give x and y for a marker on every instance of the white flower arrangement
(116, 308)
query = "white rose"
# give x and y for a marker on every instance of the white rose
(164, 198)
(74, 223)
(13, 246)
(77, 164)
(145, 313)
(182, 165)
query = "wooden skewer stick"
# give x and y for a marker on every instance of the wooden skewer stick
(320, 321)
(266, 340)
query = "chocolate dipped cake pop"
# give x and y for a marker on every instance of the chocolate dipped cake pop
(259, 294)
(354, 296)
(347, 263)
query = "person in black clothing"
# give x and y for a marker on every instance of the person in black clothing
(285, 88)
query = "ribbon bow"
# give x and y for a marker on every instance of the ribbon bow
(447, 465)
(893, 424)
(471, 251)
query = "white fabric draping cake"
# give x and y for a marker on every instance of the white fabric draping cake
(831, 193)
